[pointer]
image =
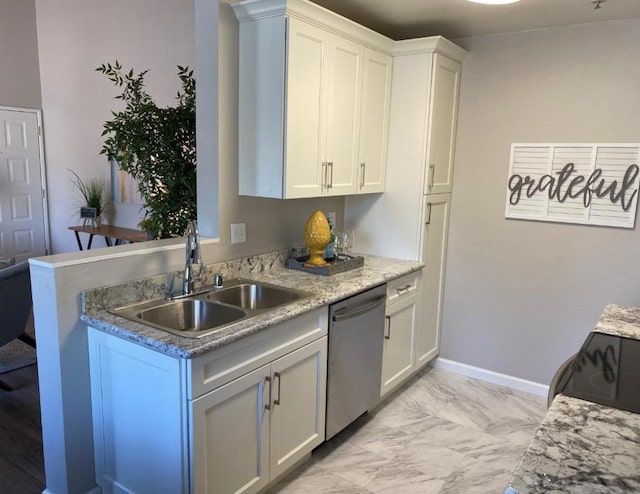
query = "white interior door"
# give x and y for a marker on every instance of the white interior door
(23, 229)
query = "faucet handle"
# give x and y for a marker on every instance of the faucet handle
(217, 280)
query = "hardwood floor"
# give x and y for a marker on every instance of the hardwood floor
(21, 457)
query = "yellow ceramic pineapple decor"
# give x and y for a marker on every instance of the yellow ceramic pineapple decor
(316, 237)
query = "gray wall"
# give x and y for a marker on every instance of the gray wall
(19, 77)
(75, 37)
(520, 296)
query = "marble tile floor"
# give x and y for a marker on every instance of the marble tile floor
(441, 433)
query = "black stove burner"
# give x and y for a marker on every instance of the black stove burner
(606, 371)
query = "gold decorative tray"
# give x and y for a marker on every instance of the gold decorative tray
(344, 263)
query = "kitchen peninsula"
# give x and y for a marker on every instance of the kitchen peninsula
(177, 406)
(585, 447)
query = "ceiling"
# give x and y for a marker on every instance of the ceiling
(403, 19)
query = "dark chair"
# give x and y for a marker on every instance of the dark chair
(15, 306)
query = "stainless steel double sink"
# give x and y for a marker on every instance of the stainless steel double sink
(206, 312)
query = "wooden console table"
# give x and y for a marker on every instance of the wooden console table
(108, 232)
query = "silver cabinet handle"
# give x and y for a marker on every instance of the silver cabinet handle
(362, 170)
(324, 175)
(388, 335)
(404, 288)
(276, 375)
(330, 183)
(432, 173)
(268, 404)
(428, 222)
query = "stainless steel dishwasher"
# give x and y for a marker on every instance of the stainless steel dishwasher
(356, 334)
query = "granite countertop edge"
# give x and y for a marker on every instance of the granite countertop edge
(324, 290)
(583, 447)
(620, 320)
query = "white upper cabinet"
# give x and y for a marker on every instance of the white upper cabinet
(374, 124)
(306, 104)
(442, 124)
(422, 127)
(343, 116)
(314, 102)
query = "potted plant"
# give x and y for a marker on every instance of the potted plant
(94, 194)
(157, 147)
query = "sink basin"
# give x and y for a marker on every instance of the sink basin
(190, 317)
(256, 296)
(204, 313)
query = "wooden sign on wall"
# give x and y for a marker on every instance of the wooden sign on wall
(590, 184)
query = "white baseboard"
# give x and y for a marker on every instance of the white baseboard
(490, 376)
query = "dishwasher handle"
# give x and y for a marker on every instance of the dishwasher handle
(348, 314)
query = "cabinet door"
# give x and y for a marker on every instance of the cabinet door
(298, 405)
(139, 417)
(397, 354)
(442, 125)
(307, 93)
(374, 123)
(231, 436)
(343, 118)
(434, 251)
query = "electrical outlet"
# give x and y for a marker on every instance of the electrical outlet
(331, 216)
(238, 233)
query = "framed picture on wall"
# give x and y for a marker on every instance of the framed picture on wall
(124, 187)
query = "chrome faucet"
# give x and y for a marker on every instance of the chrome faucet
(192, 251)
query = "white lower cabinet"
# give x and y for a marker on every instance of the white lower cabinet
(250, 431)
(414, 302)
(231, 436)
(299, 391)
(401, 325)
(434, 255)
(228, 421)
(139, 418)
(397, 362)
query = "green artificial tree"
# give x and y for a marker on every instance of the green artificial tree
(157, 147)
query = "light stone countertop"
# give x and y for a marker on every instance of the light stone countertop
(268, 268)
(584, 447)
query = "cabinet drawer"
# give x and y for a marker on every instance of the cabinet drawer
(214, 369)
(403, 287)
